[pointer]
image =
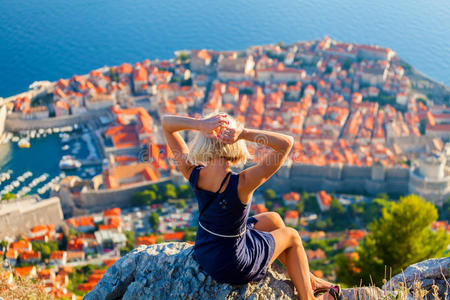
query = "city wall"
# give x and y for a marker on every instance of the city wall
(96, 201)
(18, 217)
(341, 179)
(2, 118)
(15, 123)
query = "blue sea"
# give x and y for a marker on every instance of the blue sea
(50, 39)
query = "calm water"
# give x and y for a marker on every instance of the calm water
(42, 157)
(49, 39)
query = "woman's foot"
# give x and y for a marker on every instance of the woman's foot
(334, 290)
(320, 284)
(333, 293)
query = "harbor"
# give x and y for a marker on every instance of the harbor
(57, 153)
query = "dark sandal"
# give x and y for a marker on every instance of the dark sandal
(336, 292)
(323, 290)
(320, 291)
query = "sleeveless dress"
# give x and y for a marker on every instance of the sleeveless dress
(236, 260)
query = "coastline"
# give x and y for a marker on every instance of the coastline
(32, 93)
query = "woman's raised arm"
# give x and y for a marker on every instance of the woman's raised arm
(254, 176)
(172, 124)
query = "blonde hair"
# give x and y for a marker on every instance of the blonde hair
(203, 149)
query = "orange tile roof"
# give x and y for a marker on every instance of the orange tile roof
(11, 254)
(146, 240)
(140, 74)
(324, 198)
(178, 236)
(57, 254)
(125, 68)
(86, 287)
(260, 208)
(291, 196)
(30, 255)
(112, 212)
(23, 271)
(81, 221)
(291, 214)
(110, 262)
(203, 54)
(355, 234)
(75, 244)
(20, 246)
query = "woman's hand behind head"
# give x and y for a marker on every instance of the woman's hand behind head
(209, 126)
(230, 135)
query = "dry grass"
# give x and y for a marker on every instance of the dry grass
(414, 291)
(21, 289)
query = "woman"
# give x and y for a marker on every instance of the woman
(229, 246)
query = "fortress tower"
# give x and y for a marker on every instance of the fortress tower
(430, 178)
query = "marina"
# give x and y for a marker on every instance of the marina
(57, 152)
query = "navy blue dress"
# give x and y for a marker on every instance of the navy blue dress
(236, 260)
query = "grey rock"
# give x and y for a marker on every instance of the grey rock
(428, 273)
(168, 271)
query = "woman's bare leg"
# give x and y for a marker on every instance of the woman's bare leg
(270, 221)
(287, 240)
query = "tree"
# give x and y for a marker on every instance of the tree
(143, 198)
(184, 191)
(63, 242)
(347, 64)
(45, 249)
(189, 236)
(337, 214)
(311, 204)
(8, 196)
(130, 243)
(444, 210)
(3, 245)
(300, 207)
(269, 195)
(153, 219)
(401, 237)
(181, 204)
(423, 126)
(170, 191)
(423, 100)
(183, 56)
(154, 187)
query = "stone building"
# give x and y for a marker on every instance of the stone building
(18, 217)
(430, 178)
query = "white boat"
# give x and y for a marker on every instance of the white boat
(65, 137)
(24, 143)
(91, 171)
(65, 147)
(15, 139)
(69, 163)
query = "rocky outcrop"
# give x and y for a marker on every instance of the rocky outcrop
(431, 275)
(168, 271)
